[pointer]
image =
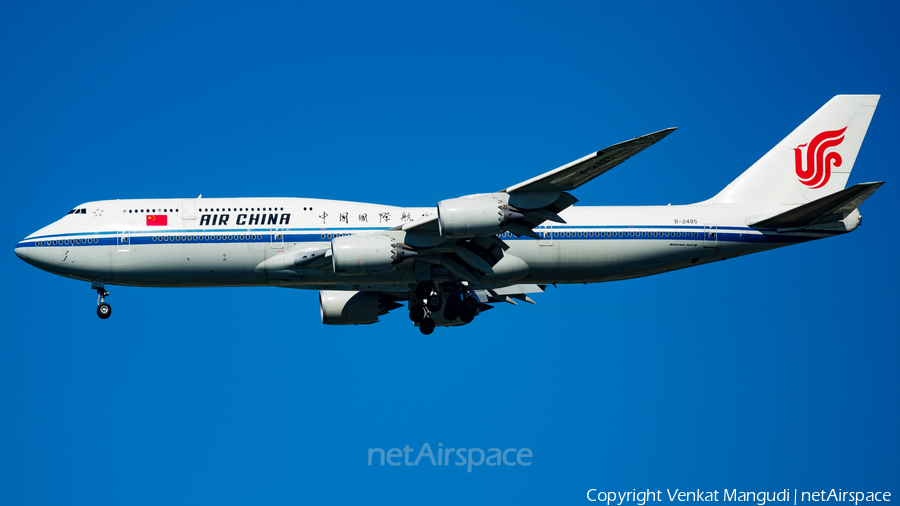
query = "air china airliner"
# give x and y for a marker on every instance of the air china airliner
(451, 262)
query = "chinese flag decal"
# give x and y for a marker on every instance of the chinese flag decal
(157, 220)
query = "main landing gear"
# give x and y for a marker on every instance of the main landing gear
(460, 304)
(418, 313)
(104, 310)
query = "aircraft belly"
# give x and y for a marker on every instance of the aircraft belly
(586, 260)
(187, 264)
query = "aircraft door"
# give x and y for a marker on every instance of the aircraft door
(710, 236)
(189, 209)
(277, 238)
(546, 236)
(123, 242)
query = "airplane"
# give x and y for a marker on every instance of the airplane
(451, 262)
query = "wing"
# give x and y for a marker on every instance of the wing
(508, 293)
(572, 175)
(477, 263)
(541, 198)
(482, 261)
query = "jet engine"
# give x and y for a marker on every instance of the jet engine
(353, 255)
(472, 217)
(341, 307)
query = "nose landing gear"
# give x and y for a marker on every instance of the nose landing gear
(104, 310)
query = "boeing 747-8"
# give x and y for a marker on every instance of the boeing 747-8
(449, 263)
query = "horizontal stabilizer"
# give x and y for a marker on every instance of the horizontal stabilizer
(834, 207)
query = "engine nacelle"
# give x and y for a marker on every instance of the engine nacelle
(341, 307)
(353, 255)
(472, 217)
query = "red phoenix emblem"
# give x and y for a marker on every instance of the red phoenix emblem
(818, 164)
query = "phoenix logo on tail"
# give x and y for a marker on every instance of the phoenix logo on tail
(818, 164)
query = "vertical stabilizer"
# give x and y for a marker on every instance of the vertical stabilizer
(815, 160)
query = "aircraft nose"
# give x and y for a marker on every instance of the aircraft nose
(22, 252)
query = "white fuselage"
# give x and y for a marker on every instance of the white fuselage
(250, 242)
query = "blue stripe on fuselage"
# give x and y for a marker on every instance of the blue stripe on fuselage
(566, 233)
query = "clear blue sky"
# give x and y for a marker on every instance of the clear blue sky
(773, 371)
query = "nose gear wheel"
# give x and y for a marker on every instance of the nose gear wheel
(104, 310)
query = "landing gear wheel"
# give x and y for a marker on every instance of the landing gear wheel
(450, 312)
(424, 289)
(434, 303)
(417, 313)
(427, 326)
(104, 310)
(469, 309)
